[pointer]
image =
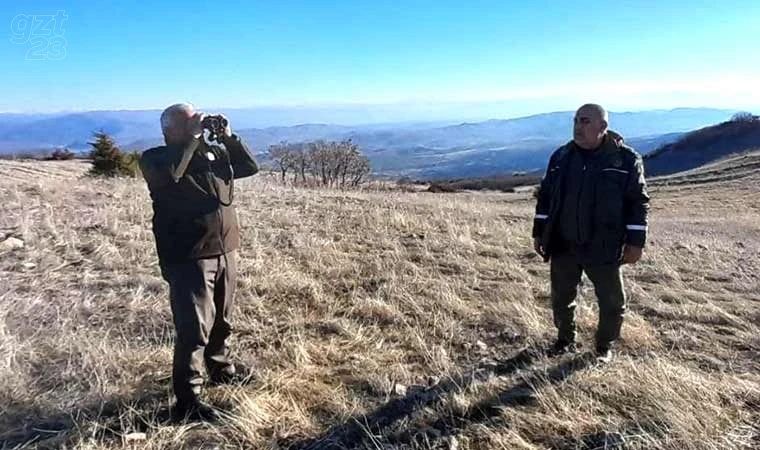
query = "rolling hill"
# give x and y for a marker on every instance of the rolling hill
(704, 146)
(421, 150)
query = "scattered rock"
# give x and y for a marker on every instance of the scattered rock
(11, 244)
(86, 307)
(132, 438)
(433, 380)
(453, 444)
(488, 364)
(680, 246)
(399, 389)
(482, 345)
(29, 266)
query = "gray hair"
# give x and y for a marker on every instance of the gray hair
(170, 114)
(599, 109)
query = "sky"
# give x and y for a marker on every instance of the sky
(537, 56)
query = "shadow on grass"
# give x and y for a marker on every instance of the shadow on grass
(30, 426)
(373, 427)
(520, 394)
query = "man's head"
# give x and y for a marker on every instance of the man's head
(591, 122)
(175, 123)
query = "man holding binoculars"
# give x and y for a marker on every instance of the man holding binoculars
(191, 185)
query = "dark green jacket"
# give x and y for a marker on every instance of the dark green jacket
(613, 206)
(192, 190)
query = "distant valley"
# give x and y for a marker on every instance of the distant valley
(426, 150)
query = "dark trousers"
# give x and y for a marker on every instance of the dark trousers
(201, 294)
(566, 271)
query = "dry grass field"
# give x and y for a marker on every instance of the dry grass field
(377, 320)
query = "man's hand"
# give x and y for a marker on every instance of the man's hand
(631, 254)
(539, 247)
(195, 126)
(227, 129)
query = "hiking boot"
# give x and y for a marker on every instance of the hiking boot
(237, 374)
(562, 347)
(194, 410)
(603, 355)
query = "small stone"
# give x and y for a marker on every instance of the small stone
(135, 437)
(482, 345)
(86, 307)
(453, 443)
(29, 265)
(399, 389)
(11, 244)
(433, 380)
(488, 364)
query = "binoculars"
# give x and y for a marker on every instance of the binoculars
(215, 125)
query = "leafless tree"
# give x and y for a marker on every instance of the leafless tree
(329, 163)
(281, 157)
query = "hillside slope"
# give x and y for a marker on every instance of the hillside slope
(738, 170)
(376, 320)
(704, 146)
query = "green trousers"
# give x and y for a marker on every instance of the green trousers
(201, 294)
(566, 271)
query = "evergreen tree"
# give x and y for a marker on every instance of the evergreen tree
(108, 160)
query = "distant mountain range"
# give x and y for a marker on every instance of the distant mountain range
(421, 150)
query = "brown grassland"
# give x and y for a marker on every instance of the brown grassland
(378, 319)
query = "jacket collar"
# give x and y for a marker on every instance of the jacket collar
(612, 143)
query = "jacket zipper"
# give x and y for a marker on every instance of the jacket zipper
(578, 205)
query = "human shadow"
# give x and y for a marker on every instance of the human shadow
(25, 425)
(356, 429)
(521, 394)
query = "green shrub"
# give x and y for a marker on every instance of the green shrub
(61, 154)
(109, 161)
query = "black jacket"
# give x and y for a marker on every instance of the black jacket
(192, 192)
(618, 205)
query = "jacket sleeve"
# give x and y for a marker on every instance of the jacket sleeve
(162, 166)
(543, 199)
(241, 158)
(636, 206)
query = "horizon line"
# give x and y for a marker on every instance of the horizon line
(362, 104)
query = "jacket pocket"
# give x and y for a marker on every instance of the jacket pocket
(613, 179)
(614, 170)
(609, 199)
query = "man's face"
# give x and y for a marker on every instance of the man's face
(589, 128)
(178, 133)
